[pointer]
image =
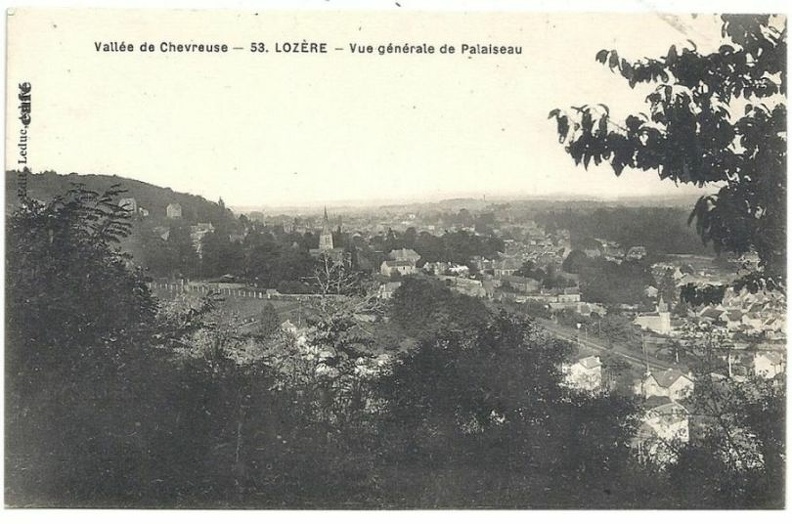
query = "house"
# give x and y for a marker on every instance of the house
(458, 269)
(752, 323)
(197, 233)
(768, 364)
(405, 254)
(584, 374)
(668, 419)
(506, 267)
(568, 295)
(173, 211)
(483, 264)
(466, 286)
(436, 268)
(774, 326)
(521, 284)
(712, 313)
(613, 253)
(391, 268)
(587, 309)
(636, 253)
(670, 383)
(733, 319)
(663, 424)
(130, 204)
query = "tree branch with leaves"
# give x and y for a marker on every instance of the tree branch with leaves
(713, 119)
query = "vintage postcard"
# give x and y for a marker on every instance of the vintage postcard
(396, 259)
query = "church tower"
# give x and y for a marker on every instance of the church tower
(326, 238)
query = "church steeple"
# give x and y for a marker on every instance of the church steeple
(326, 238)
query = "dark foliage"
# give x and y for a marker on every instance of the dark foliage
(692, 134)
(659, 230)
(113, 401)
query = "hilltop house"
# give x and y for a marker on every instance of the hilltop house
(671, 383)
(129, 203)
(173, 211)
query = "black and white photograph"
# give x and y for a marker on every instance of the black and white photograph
(395, 259)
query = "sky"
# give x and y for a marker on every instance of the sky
(290, 129)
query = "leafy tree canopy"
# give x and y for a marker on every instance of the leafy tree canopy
(717, 118)
(68, 285)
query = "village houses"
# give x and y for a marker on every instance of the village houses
(670, 383)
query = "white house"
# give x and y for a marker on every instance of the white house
(671, 383)
(397, 267)
(584, 374)
(668, 419)
(768, 364)
(665, 423)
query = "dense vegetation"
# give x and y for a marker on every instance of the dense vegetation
(458, 247)
(610, 283)
(659, 230)
(436, 400)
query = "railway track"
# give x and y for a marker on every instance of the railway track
(573, 337)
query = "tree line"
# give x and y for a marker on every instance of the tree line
(268, 256)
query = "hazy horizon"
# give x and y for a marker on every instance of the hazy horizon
(683, 194)
(282, 130)
(448, 198)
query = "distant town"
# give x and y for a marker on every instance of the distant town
(631, 339)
